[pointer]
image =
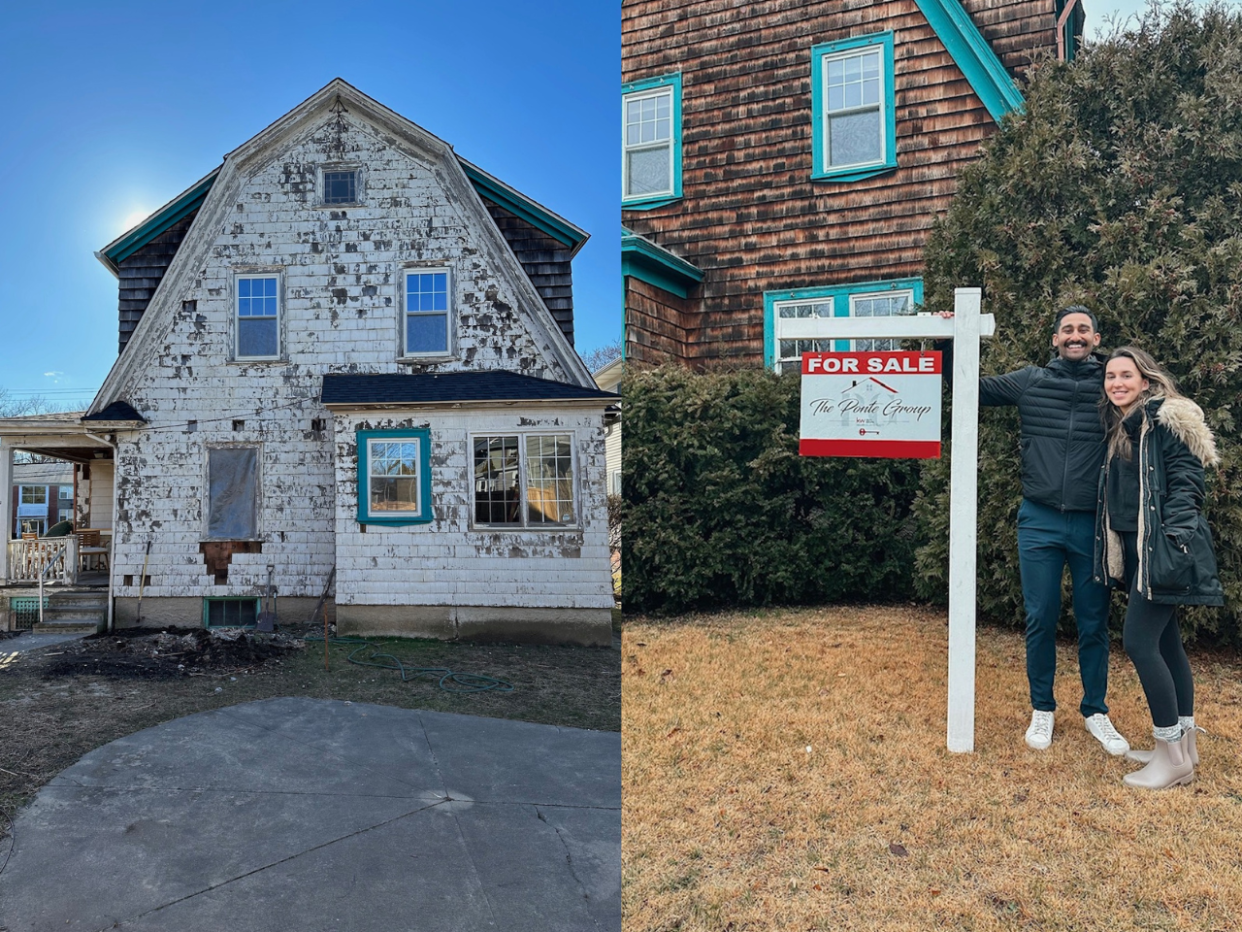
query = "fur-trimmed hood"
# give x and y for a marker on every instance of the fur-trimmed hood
(1185, 420)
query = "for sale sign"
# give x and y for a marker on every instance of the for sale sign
(871, 404)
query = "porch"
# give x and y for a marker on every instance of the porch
(82, 557)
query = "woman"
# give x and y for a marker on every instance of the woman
(1152, 538)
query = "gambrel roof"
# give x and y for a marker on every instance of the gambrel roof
(496, 211)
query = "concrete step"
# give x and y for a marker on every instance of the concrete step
(67, 627)
(73, 613)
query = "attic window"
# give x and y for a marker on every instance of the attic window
(340, 187)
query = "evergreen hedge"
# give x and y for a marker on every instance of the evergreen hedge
(721, 510)
(1120, 188)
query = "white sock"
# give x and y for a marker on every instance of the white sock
(1171, 734)
(1187, 722)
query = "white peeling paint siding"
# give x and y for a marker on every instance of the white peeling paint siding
(340, 270)
(449, 562)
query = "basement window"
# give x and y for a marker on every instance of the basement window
(230, 613)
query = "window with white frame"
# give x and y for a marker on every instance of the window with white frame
(651, 140)
(524, 480)
(258, 317)
(801, 321)
(65, 492)
(33, 495)
(854, 123)
(428, 304)
(394, 476)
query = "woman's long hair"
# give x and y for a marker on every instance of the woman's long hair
(1159, 385)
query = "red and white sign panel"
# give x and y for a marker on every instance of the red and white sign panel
(871, 404)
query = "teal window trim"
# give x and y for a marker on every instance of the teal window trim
(209, 599)
(425, 513)
(840, 295)
(972, 54)
(652, 201)
(821, 170)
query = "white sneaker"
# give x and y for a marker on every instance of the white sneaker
(1039, 735)
(1104, 732)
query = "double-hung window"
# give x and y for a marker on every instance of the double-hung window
(853, 113)
(524, 480)
(800, 321)
(428, 318)
(651, 142)
(258, 317)
(394, 476)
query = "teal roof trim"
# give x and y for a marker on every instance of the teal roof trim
(495, 190)
(973, 55)
(121, 249)
(560, 230)
(647, 262)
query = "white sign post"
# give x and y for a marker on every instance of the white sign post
(966, 328)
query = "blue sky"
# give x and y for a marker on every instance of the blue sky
(116, 108)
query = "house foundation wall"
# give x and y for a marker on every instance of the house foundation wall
(171, 612)
(589, 627)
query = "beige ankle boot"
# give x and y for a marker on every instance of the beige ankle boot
(1192, 748)
(1169, 766)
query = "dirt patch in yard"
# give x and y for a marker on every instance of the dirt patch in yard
(170, 654)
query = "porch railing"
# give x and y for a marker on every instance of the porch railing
(28, 559)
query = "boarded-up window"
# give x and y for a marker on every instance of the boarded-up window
(232, 493)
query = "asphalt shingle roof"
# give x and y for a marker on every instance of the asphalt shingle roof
(117, 411)
(449, 387)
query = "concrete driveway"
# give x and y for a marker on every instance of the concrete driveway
(304, 814)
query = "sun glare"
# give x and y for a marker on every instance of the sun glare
(134, 218)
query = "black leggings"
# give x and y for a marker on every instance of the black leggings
(1154, 642)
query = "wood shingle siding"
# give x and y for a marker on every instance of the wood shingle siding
(750, 216)
(545, 261)
(140, 274)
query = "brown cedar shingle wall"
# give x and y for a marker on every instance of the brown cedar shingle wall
(546, 261)
(140, 274)
(1019, 33)
(655, 324)
(750, 218)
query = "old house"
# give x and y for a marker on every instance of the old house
(346, 366)
(783, 162)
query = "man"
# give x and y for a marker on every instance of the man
(1062, 453)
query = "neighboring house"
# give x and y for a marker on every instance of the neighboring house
(608, 378)
(41, 495)
(346, 348)
(783, 162)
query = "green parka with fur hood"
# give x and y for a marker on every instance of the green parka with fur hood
(1176, 561)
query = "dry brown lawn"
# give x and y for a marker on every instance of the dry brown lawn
(730, 823)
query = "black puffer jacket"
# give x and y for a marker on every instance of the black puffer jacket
(1177, 564)
(1062, 433)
